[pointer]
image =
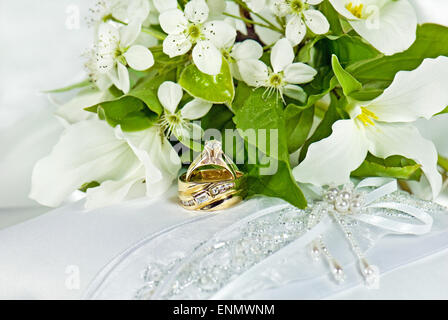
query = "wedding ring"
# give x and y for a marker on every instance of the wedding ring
(212, 182)
(212, 156)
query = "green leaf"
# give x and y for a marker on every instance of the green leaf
(217, 89)
(443, 162)
(89, 185)
(351, 49)
(332, 16)
(298, 125)
(82, 84)
(324, 129)
(392, 167)
(254, 111)
(128, 112)
(346, 80)
(379, 72)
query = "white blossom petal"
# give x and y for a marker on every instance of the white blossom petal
(295, 30)
(248, 49)
(414, 94)
(266, 35)
(299, 73)
(165, 5)
(123, 78)
(313, 2)
(282, 55)
(195, 109)
(316, 21)
(173, 21)
(254, 72)
(129, 33)
(331, 160)
(87, 151)
(169, 95)
(220, 33)
(391, 29)
(388, 139)
(139, 58)
(176, 45)
(207, 57)
(196, 11)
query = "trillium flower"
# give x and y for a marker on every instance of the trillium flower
(116, 49)
(126, 165)
(189, 28)
(383, 128)
(299, 15)
(388, 25)
(284, 75)
(175, 121)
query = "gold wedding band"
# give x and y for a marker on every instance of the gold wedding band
(212, 182)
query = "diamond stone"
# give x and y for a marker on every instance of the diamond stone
(201, 197)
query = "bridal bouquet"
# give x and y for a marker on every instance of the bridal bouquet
(298, 91)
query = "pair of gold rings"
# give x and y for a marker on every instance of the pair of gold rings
(212, 182)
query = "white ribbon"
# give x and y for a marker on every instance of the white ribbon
(388, 186)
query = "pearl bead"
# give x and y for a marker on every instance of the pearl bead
(345, 195)
(342, 205)
(356, 205)
(334, 191)
(330, 197)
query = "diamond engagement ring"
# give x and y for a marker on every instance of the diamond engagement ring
(212, 182)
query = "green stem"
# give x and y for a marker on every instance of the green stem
(273, 27)
(443, 162)
(248, 21)
(155, 33)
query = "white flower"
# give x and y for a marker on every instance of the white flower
(382, 127)
(115, 50)
(299, 15)
(189, 28)
(125, 164)
(242, 51)
(256, 5)
(123, 10)
(283, 77)
(390, 26)
(174, 121)
(234, 9)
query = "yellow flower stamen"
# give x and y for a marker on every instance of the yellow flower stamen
(356, 10)
(366, 117)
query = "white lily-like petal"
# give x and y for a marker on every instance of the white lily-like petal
(195, 109)
(170, 94)
(282, 55)
(413, 94)
(248, 49)
(299, 73)
(129, 33)
(164, 5)
(254, 72)
(388, 139)
(160, 160)
(173, 21)
(316, 21)
(139, 57)
(390, 26)
(73, 111)
(221, 34)
(207, 57)
(113, 192)
(295, 30)
(123, 78)
(331, 160)
(196, 11)
(87, 151)
(176, 45)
